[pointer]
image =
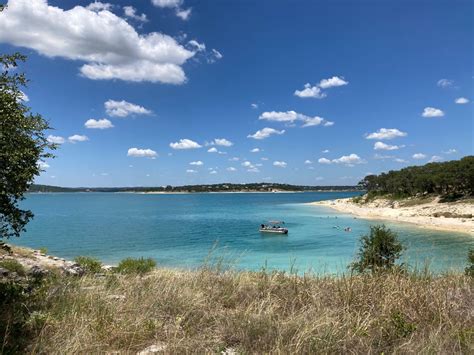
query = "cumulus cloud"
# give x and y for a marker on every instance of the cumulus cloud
(231, 168)
(254, 106)
(280, 164)
(98, 124)
(348, 160)
(197, 163)
(314, 91)
(185, 144)
(418, 156)
(386, 133)
(198, 46)
(23, 97)
(123, 109)
(399, 160)
(43, 165)
(110, 47)
(212, 150)
(265, 133)
(308, 162)
(383, 146)
(99, 6)
(56, 139)
(131, 12)
(292, 116)
(141, 153)
(450, 151)
(310, 91)
(432, 112)
(167, 3)
(184, 14)
(77, 138)
(332, 82)
(435, 158)
(213, 172)
(326, 151)
(191, 171)
(222, 142)
(461, 100)
(445, 83)
(255, 150)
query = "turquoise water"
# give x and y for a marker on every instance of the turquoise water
(180, 230)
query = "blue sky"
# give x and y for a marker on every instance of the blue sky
(390, 84)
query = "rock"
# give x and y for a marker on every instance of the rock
(74, 269)
(4, 272)
(153, 349)
(37, 271)
(229, 351)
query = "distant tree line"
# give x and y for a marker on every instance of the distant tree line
(224, 187)
(452, 178)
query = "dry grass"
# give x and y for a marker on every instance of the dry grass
(208, 311)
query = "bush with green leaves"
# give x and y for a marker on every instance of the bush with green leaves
(136, 266)
(89, 264)
(13, 265)
(379, 250)
(470, 267)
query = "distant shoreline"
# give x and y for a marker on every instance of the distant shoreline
(432, 215)
(184, 192)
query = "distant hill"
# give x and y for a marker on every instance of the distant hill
(224, 187)
(452, 179)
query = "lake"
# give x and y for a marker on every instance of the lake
(184, 230)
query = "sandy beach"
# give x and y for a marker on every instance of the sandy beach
(432, 215)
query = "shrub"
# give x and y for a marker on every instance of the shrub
(43, 250)
(89, 264)
(379, 250)
(13, 266)
(470, 267)
(136, 266)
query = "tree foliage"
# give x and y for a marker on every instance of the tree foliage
(455, 178)
(379, 250)
(22, 145)
(470, 267)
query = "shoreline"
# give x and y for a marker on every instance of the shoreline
(421, 215)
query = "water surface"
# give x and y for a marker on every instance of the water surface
(180, 230)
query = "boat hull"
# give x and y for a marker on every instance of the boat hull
(274, 231)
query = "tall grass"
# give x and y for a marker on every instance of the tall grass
(208, 311)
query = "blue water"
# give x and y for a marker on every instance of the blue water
(181, 230)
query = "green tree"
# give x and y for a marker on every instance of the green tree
(379, 250)
(22, 145)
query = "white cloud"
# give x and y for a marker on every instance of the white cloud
(23, 97)
(432, 112)
(310, 91)
(197, 163)
(253, 170)
(43, 165)
(324, 161)
(315, 91)
(350, 160)
(247, 164)
(308, 162)
(435, 158)
(255, 150)
(213, 172)
(332, 82)
(98, 124)
(398, 160)
(217, 54)
(461, 100)
(265, 133)
(383, 146)
(184, 14)
(280, 164)
(141, 153)
(131, 12)
(418, 156)
(234, 159)
(292, 116)
(231, 168)
(185, 144)
(198, 46)
(167, 3)
(123, 109)
(56, 139)
(254, 106)
(222, 142)
(77, 138)
(450, 151)
(288, 116)
(386, 133)
(326, 151)
(110, 47)
(319, 178)
(99, 6)
(212, 150)
(445, 83)
(328, 123)
(264, 158)
(191, 171)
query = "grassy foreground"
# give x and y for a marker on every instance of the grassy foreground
(209, 311)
